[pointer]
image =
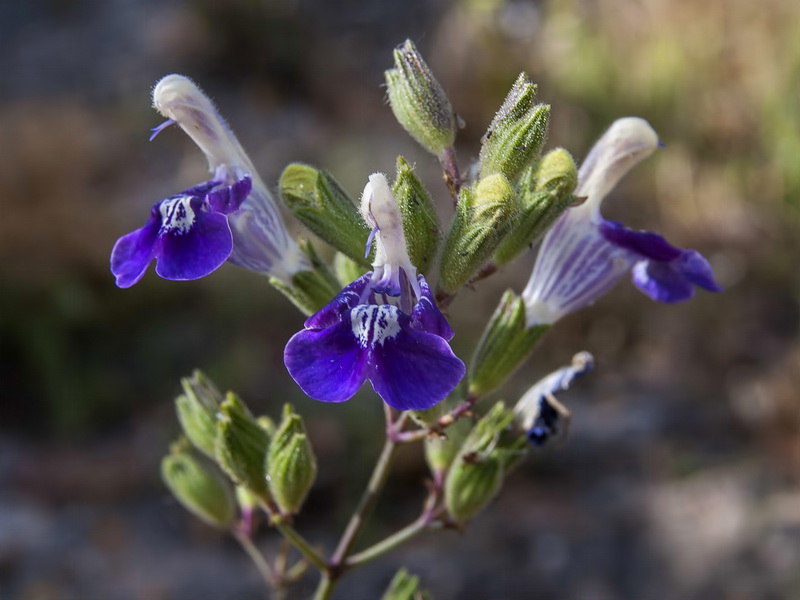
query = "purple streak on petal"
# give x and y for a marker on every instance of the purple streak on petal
(386, 280)
(661, 281)
(160, 128)
(414, 370)
(334, 311)
(197, 252)
(369, 240)
(694, 267)
(427, 317)
(133, 252)
(228, 199)
(199, 190)
(645, 243)
(327, 364)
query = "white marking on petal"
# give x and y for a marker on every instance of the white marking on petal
(177, 215)
(373, 324)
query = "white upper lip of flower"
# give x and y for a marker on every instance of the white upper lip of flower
(379, 210)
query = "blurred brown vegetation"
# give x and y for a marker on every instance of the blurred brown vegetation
(681, 477)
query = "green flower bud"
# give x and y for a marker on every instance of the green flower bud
(347, 270)
(201, 490)
(504, 346)
(321, 204)
(418, 101)
(405, 586)
(420, 221)
(290, 463)
(545, 191)
(197, 411)
(267, 425)
(471, 484)
(476, 474)
(241, 445)
(517, 133)
(483, 216)
(312, 289)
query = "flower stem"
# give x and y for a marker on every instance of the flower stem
(299, 542)
(249, 547)
(439, 425)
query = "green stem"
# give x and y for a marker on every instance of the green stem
(391, 542)
(325, 587)
(251, 550)
(299, 542)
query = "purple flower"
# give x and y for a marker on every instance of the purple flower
(231, 217)
(399, 345)
(405, 356)
(188, 235)
(584, 255)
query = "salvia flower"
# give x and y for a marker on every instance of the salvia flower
(584, 255)
(230, 217)
(538, 412)
(383, 327)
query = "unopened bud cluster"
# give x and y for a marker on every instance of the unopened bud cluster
(226, 446)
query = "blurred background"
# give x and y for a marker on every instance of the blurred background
(681, 474)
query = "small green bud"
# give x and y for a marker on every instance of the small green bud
(420, 221)
(471, 484)
(241, 445)
(197, 411)
(418, 102)
(405, 586)
(505, 344)
(321, 204)
(312, 289)
(483, 216)
(267, 425)
(246, 500)
(290, 463)
(476, 474)
(201, 490)
(545, 191)
(347, 270)
(517, 133)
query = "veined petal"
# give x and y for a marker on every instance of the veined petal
(133, 252)
(575, 266)
(427, 317)
(336, 309)
(228, 199)
(195, 251)
(414, 370)
(328, 364)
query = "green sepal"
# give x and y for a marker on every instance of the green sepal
(197, 411)
(545, 192)
(420, 222)
(199, 487)
(504, 346)
(321, 204)
(241, 445)
(418, 101)
(484, 214)
(347, 270)
(309, 290)
(290, 463)
(405, 586)
(517, 133)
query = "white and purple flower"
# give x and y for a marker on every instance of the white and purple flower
(231, 217)
(400, 346)
(584, 255)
